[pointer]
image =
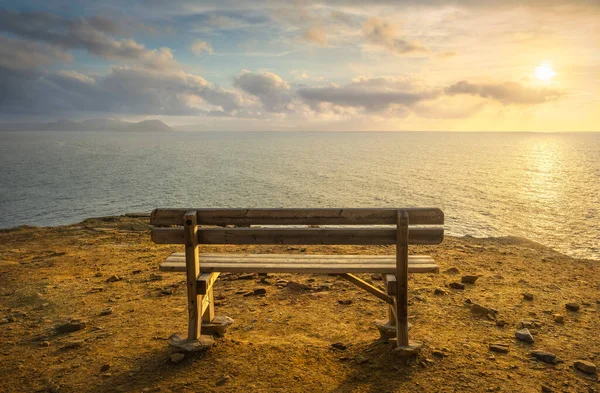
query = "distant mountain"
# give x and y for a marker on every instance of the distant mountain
(90, 125)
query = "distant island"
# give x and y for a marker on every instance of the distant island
(152, 125)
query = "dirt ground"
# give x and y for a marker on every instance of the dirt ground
(282, 342)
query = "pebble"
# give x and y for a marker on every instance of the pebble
(176, 358)
(105, 367)
(345, 302)
(45, 344)
(376, 277)
(260, 291)
(546, 389)
(247, 276)
(223, 380)
(559, 318)
(524, 335)
(452, 270)
(457, 285)
(501, 322)
(585, 366)
(528, 296)
(482, 310)
(73, 344)
(499, 347)
(439, 354)
(72, 326)
(545, 357)
(572, 306)
(106, 311)
(469, 279)
(113, 278)
(167, 291)
(440, 291)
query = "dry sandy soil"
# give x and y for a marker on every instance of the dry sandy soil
(281, 342)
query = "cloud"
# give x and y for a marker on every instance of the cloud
(379, 32)
(506, 92)
(273, 92)
(197, 47)
(316, 35)
(369, 94)
(24, 55)
(91, 34)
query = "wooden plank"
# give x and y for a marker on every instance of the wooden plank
(301, 258)
(368, 287)
(418, 216)
(320, 268)
(299, 236)
(206, 281)
(402, 241)
(192, 272)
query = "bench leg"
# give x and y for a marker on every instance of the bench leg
(192, 263)
(209, 313)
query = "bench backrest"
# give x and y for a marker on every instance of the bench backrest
(425, 226)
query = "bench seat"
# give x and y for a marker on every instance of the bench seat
(300, 263)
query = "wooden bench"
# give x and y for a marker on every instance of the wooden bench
(400, 227)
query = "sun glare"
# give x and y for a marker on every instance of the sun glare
(544, 72)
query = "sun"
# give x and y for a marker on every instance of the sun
(544, 72)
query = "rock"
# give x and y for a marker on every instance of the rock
(456, 285)
(585, 366)
(218, 326)
(45, 344)
(469, 279)
(345, 302)
(482, 310)
(559, 318)
(499, 347)
(545, 357)
(259, 291)
(72, 326)
(386, 330)
(105, 367)
(412, 349)
(452, 270)
(73, 344)
(177, 358)
(339, 346)
(247, 276)
(439, 354)
(167, 291)
(524, 335)
(501, 322)
(572, 306)
(106, 311)
(297, 286)
(223, 380)
(440, 292)
(376, 277)
(113, 278)
(546, 389)
(200, 345)
(528, 296)
(246, 294)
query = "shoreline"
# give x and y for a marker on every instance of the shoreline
(104, 271)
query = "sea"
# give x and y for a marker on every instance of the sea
(541, 186)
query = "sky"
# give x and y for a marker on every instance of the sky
(355, 65)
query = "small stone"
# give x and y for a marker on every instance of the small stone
(572, 306)
(376, 277)
(113, 278)
(167, 291)
(499, 347)
(360, 359)
(260, 291)
(411, 350)
(339, 346)
(524, 335)
(545, 357)
(559, 318)
(501, 322)
(223, 380)
(176, 358)
(156, 277)
(200, 345)
(439, 354)
(456, 285)
(247, 276)
(585, 366)
(218, 326)
(105, 367)
(106, 311)
(469, 279)
(546, 389)
(345, 302)
(45, 344)
(528, 296)
(440, 292)
(73, 344)
(72, 326)
(246, 294)
(452, 270)
(482, 310)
